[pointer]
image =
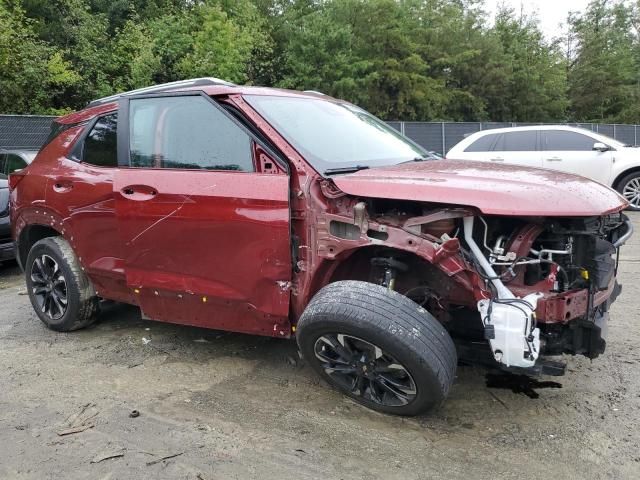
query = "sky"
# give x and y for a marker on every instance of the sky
(551, 13)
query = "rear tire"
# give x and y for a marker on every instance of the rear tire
(377, 347)
(61, 294)
(629, 188)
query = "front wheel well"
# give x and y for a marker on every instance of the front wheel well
(619, 178)
(29, 236)
(419, 272)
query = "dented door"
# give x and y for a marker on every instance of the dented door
(206, 236)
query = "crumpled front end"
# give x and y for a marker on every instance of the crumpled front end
(551, 282)
(509, 289)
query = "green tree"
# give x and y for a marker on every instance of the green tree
(133, 62)
(537, 84)
(401, 59)
(221, 46)
(32, 74)
(364, 52)
(604, 72)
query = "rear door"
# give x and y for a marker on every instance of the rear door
(478, 150)
(80, 189)
(572, 152)
(205, 232)
(517, 147)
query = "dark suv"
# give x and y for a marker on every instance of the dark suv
(10, 161)
(286, 213)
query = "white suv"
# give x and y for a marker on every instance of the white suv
(563, 148)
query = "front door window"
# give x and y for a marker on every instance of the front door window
(187, 133)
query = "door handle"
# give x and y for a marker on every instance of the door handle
(138, 192)
(497, 159)
(554, 159)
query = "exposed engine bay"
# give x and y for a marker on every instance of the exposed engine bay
(564, 255)
(540, 286)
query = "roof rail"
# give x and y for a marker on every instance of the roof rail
(315, 91)
(163, 87)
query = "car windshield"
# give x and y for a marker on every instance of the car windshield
(336, 137)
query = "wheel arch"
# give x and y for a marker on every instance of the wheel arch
(28, 236)
(355, 264)
(616, 182)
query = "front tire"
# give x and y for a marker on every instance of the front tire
(61, 294)
(377, 347)
(629, 188)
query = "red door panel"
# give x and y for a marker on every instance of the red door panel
(82, 196)
(207, 248)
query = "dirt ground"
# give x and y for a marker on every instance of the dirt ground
(234, 406)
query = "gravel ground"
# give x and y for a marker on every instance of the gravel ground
(234, 406)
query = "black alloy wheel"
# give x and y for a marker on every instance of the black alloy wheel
(365, 370)
(49, 287)
(61, 294)
(378, 347)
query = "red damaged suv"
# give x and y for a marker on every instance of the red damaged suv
(286, 213)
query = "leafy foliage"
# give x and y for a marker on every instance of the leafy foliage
(605, 74)
(400, 59)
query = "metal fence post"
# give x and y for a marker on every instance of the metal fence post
(444, 138)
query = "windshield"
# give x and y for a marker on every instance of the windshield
(334, 136)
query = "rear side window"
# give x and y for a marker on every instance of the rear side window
(3, 171)
(483, 144)
(524, 141)
(562, 140)
(186, 132)
(13, 163)
(100, 144)
(56, 129)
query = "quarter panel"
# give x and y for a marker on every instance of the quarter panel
(76, 200)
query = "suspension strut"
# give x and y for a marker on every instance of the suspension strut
(391, 267)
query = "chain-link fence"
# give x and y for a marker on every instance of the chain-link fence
(26, 132)
(441, 136)
(31, 131)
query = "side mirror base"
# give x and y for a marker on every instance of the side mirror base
(601, 147)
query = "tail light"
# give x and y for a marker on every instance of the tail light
(14, 179)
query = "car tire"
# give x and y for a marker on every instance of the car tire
(378, 347)
(60, 292)
(628, 187)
